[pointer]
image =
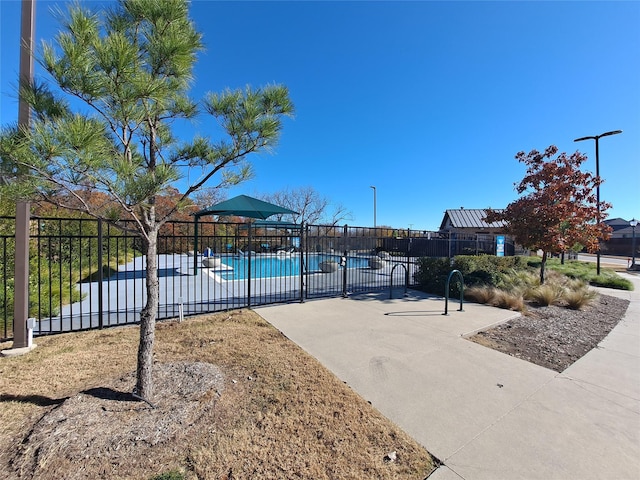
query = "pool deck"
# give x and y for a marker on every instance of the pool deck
(123, 294)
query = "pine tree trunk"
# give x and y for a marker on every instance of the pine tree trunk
(148, 315)
(542, 265)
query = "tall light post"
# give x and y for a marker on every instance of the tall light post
(633, 224)
(596, 138)
(374, 205)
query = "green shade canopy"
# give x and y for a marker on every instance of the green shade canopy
(244, 206)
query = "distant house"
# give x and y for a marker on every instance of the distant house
(621, 240)
(621, 228)
(470, 233)
(470, 221)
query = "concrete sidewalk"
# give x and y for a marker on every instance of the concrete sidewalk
(484, 414)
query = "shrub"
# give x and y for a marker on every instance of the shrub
(477, 271)
(482, 269)
(612, 282)
(479, 278)
(432, 274)
(487, 269)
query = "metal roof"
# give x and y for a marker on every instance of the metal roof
(617, 223)
(469, 218)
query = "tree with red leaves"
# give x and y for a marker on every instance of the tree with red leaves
(559, 209)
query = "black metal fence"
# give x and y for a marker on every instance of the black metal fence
(623, 247)
(86, 274)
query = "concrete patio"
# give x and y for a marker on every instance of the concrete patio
(484, 414)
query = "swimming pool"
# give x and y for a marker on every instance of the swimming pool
(268, 266)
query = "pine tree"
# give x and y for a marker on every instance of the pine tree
(105, 123)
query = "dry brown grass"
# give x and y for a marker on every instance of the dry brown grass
(496, 297)
(508, 300)
(280, 415)
(547, 294)
(480, 294)
(579, 298)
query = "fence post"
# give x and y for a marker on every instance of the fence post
(100, 276)
(21, 276)
(249, 268)
(195, 244)
(344, 268)
(304, 236)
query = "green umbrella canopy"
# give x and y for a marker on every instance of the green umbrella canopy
(244, 206)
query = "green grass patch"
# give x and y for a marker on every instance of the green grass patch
(171, 475)
(509, 282)
(587, 272)
(54, 279)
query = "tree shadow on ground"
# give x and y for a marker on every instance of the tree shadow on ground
(39, 400)
(105, 393)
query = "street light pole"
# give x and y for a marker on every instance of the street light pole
(633, 224)
(596, 138)
(374, 205)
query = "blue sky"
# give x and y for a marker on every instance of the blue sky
(428, 101)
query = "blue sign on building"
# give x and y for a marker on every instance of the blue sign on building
(500, 246)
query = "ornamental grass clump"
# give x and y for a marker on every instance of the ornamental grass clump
(519, 280)
(480, 294)
(578, 299)
(508, 300)
(547, 294)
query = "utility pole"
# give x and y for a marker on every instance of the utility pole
(374, 205)
(597, 138)
(21, 272)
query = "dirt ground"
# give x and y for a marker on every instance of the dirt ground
(555, 337)
(234, 399)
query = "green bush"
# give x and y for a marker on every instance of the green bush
(487, 269)
(479, 270)
(616, 282)
(432, 274)
(480, 277)
(476, 270)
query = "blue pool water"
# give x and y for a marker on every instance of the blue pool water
(267, 266)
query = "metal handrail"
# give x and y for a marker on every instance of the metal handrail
(406, 279)
(446, 291)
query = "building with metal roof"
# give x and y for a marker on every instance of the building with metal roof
(620, 228)
(470, 220)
